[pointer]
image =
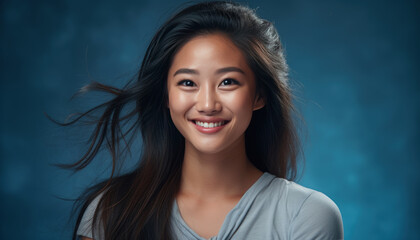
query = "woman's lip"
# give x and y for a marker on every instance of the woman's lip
(209, 120)
(209, 130)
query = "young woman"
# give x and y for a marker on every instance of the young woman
(214, 110)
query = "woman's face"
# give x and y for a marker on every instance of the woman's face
(212, 93)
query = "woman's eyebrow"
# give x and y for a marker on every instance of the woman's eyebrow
(230, 69)
(185, 70)
(219, 71)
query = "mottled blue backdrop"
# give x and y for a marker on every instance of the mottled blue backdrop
(355, 65)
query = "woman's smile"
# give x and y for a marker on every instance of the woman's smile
(211, 93)
(208, 126)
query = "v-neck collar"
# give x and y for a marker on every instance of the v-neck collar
(234, 218)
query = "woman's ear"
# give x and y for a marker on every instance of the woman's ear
(259, 102)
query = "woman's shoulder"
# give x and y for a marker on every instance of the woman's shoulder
(310, 213)
(296, 195)
(86, 226)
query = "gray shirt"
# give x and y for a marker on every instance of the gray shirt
(272, 208)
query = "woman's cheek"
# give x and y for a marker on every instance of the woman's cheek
(179, 101)
(179, 104)
(240, 102)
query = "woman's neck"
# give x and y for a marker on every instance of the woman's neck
(224, 174)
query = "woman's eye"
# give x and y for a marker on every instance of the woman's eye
(229, 81)
(187, 83)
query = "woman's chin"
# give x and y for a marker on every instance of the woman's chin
(209, 150)
(212, 147)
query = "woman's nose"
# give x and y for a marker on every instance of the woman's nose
(207, 101)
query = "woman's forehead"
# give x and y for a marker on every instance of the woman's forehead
(209, 52)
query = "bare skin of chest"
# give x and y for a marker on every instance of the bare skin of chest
(205, 217)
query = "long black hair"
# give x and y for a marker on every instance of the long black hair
(137, 205)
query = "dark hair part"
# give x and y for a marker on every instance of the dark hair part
(137, 205)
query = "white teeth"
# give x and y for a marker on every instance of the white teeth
(209, 125)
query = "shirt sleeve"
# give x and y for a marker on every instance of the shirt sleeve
(318, 218)
(85, 227)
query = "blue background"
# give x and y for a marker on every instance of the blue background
(355, 65)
